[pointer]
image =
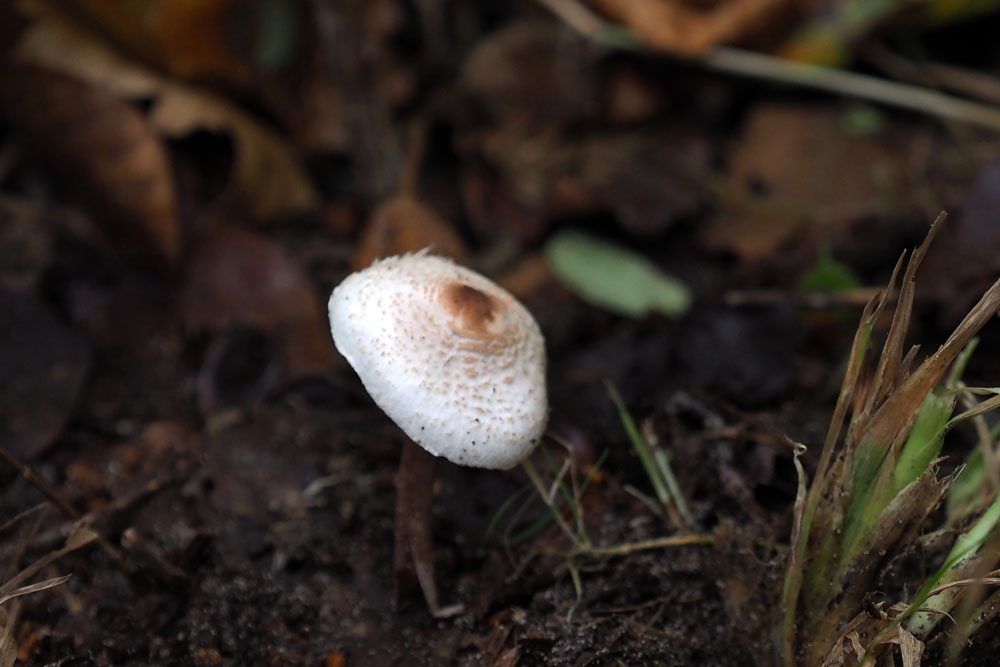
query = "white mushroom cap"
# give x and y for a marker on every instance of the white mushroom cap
(456, 361)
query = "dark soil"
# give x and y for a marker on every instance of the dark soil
(242, 480)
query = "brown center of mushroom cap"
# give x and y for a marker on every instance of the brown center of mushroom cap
(472, 309)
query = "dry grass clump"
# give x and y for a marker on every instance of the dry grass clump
(870, 498)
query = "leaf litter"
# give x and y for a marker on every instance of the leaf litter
(243, 481)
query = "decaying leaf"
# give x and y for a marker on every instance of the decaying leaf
(648, 179)
(808, 169)
(239, 277)
(187, 39)
(267, 177)
(403, 225)
(533, 72)
(106, 153)
(802, 156)
(14, 587)
(691, 28)
(854, 647)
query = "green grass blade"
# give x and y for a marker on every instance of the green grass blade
(503, 509)
(543, 521)
(572, 501)
(965, 546)
(924, 441)
(965, 492)
(640, 446)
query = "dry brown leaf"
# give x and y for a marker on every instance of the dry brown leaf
(491, 204)
(402, 225)
(801, 155)
(536, 72)
(809, 169)
(105, 152)
(911, 649)
(857, 640)
(647, 178)
(631, 98)
(187, 39)
(751, 236)
(239, 277)
(528, 277)
(268, 178)
(692, 28)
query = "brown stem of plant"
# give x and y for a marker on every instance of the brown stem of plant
(414, 548)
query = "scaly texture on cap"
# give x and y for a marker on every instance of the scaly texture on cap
(456, 361)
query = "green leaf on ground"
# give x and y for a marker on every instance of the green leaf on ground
(827, 274)
(614, 278)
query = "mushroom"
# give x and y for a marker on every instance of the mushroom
(458, 364)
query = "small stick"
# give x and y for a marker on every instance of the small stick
(52, 496)
(856, 297)
(133, 541)
(655, 543)
(739, 62)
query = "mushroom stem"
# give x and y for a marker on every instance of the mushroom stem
(414, 548)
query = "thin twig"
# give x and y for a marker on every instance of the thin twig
(851, 84)
(738, 62)
(17, 519)
(43, 487)
(856, 297)
(645, 545)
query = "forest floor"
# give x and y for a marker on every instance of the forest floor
(225, 483)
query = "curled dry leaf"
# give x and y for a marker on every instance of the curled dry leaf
(402, 225)
(267, 179)
(854, 643)
(239, 277)
(106, 153)
(266, 176)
